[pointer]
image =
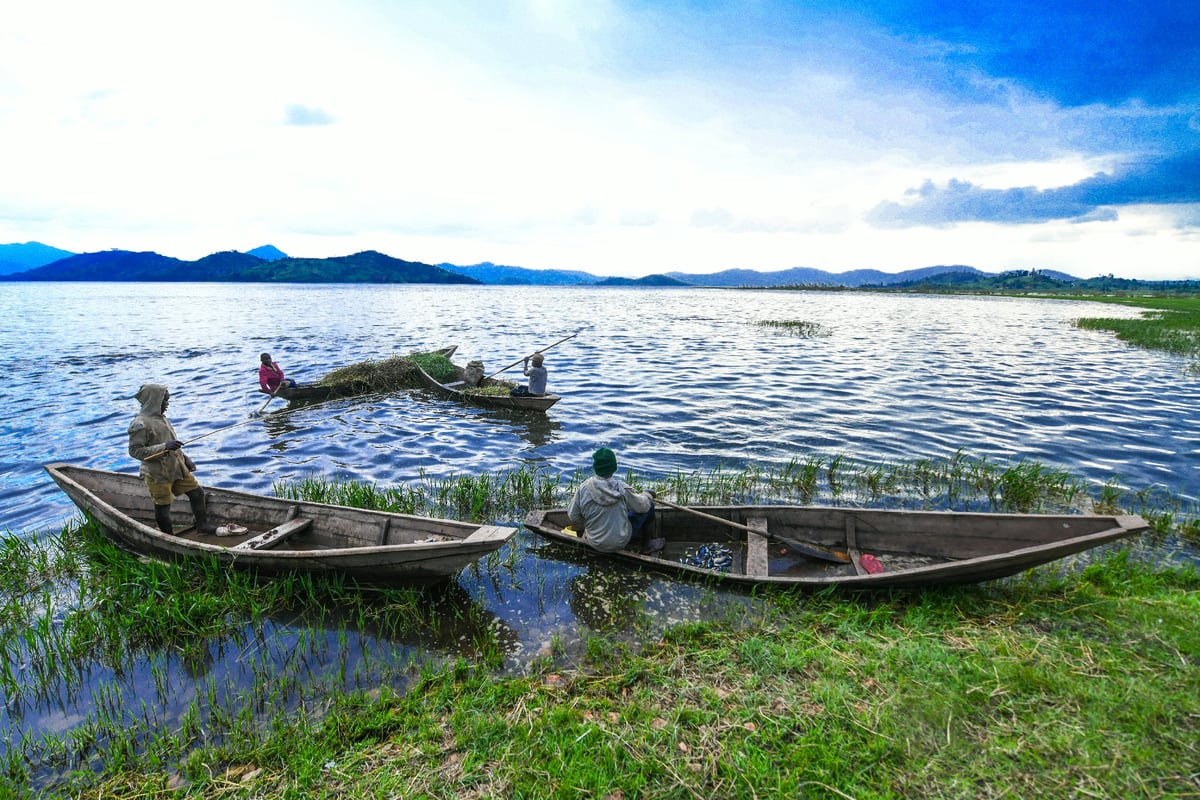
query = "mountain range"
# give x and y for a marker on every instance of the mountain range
(34, 261)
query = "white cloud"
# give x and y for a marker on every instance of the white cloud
(575, 135)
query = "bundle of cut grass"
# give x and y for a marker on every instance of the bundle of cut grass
(390, 374)
(494, 389)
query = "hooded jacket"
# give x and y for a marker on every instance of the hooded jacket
(600, 508)
(149, 433)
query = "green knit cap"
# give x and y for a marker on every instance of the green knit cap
(604, 461)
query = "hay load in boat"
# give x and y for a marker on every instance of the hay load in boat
(392, 374)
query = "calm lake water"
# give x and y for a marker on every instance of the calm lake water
(673, 380)
(679, 380)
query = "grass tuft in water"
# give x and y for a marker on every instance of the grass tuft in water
(797, 327)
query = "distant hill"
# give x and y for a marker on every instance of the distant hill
(498, 275)
(34, 261)
(807, 276)
(649, 280)
(268, 252)
(234, 267)
(21, 257)
(1034, 281)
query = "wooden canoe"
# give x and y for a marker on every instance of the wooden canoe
(914, 548)
(320, 392)
(283, 536)
(528, 402)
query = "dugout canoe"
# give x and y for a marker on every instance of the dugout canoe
(814, 547)
(282, 536)
(458, 391)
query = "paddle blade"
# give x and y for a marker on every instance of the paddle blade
(814, 550)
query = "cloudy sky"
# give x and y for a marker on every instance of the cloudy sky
(619, 137)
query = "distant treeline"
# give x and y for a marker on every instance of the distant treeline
(1030, 281)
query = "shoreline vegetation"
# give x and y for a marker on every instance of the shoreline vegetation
(1056, 683)
(1062, 682)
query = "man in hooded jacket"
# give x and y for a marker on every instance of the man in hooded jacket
(165, 468)
(607, 512)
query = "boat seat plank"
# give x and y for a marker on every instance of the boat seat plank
(756, 547)
(276, 535)
(487, 532)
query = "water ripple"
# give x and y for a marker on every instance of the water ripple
(675, 380)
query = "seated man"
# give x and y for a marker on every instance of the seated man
(607, 512)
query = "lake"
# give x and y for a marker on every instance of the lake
(675, 380)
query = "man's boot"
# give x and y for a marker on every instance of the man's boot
(162, 516)
(200, 511)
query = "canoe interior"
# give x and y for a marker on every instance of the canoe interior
(914, 548)
(530, 402)
(304, 536)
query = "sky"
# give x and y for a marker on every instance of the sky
(617, 137)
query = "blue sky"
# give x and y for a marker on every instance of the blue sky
(622, 138)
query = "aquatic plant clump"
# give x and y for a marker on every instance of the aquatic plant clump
(797, 327)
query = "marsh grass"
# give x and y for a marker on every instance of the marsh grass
(1172, 324)
(64, 628)
(797, 327)
(1051, 684)
(1044, 688)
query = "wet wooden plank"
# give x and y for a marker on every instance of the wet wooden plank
(756, 547)
(276, 535)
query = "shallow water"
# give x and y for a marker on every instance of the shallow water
(674, 380)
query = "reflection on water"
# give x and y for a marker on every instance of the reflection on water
(677, 381)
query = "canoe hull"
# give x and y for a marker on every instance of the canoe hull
(366, 546)
(528, 403)
(915, 549)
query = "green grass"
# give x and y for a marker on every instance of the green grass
(388, 374)
(1046, 685)
(1171, 324)
(1045, 688)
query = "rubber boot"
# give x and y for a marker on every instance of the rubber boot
(162, 515)
(200, 511)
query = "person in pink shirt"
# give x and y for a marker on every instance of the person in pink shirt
(270, 375)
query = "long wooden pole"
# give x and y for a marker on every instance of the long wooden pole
(203, 435)
(808, 549)
(531, 355)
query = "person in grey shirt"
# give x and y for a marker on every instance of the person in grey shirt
(607, 512)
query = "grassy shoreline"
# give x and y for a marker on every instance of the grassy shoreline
(1054, 684)
(1046, 688)
(1048, 685)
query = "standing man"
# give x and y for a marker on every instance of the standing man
(165, 468)
(607, 512)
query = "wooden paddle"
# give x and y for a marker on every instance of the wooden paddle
(269, 399)
(804, 548)
(531, 355)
